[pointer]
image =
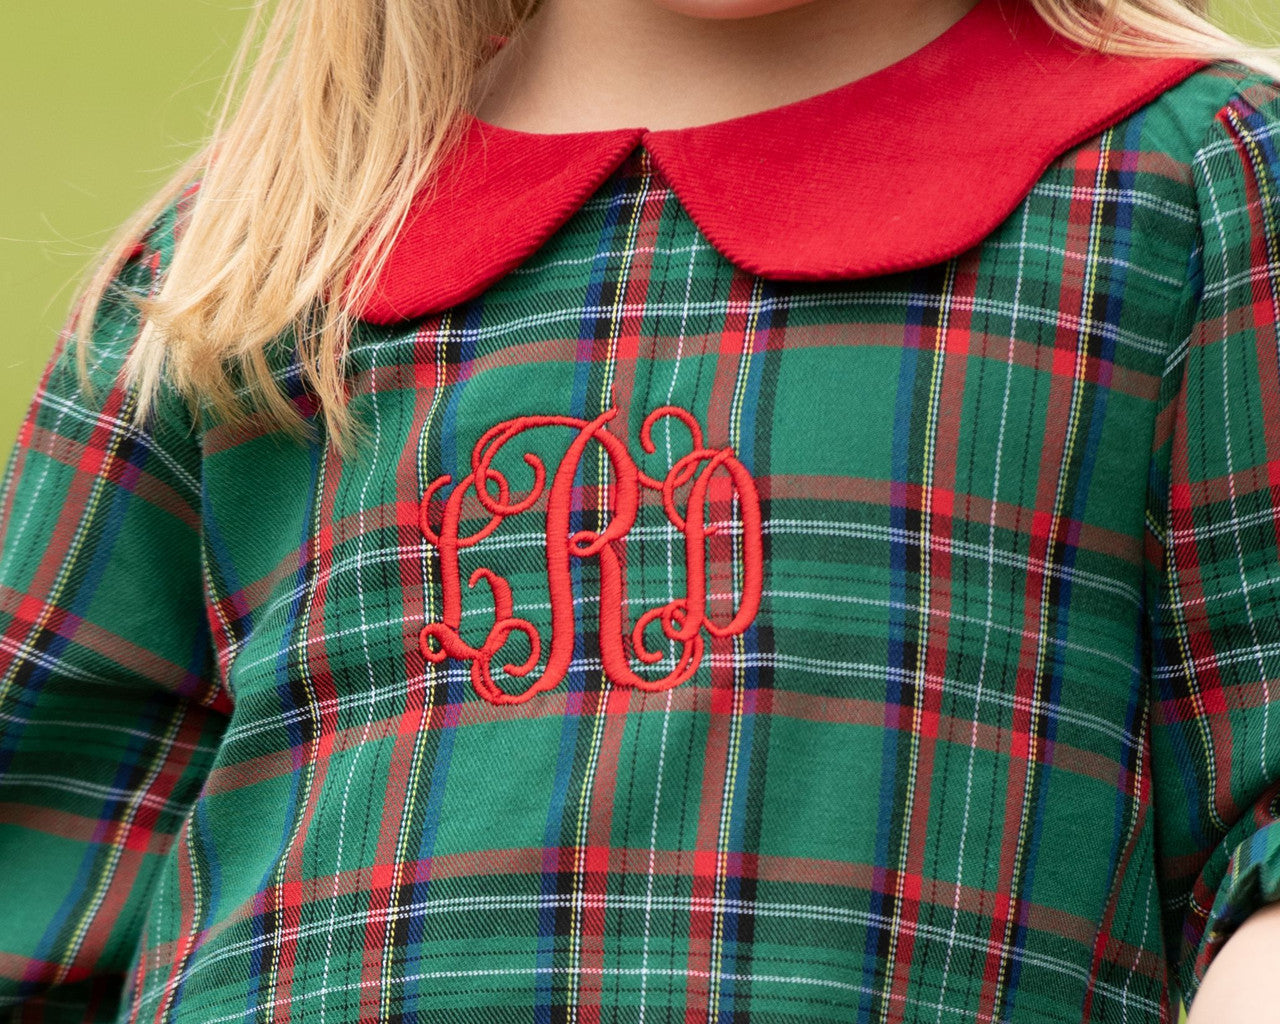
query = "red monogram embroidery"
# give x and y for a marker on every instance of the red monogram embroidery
(682, 621)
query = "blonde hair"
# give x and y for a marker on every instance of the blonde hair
(335, 114)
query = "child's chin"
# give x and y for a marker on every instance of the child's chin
(726, 9)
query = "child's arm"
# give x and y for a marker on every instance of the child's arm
(1214, 582)
(110, 708)
(1244, 984)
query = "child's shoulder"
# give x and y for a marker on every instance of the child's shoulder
(137, 272)
(1192, 115)
(141, 267)
(150, 253)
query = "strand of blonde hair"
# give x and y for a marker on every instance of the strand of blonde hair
(334, 115)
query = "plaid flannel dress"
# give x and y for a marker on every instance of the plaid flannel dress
(685, 644)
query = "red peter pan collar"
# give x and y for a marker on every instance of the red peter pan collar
(901, 169)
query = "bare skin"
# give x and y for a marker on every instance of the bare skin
(1240, 985)
(586, 65)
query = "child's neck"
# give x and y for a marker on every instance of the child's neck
(583, 65)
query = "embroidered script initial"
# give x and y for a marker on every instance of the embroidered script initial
(682, 621)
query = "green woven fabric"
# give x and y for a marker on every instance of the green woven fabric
(683, 645)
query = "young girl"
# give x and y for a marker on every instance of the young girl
(666, 510)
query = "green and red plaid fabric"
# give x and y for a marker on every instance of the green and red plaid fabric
(683, 645)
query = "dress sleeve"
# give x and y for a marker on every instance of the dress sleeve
(110, 705)
(1213, 593)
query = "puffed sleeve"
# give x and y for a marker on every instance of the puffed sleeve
(110, 705)
(1213, 593)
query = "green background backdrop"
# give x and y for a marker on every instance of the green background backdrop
(100, 102)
